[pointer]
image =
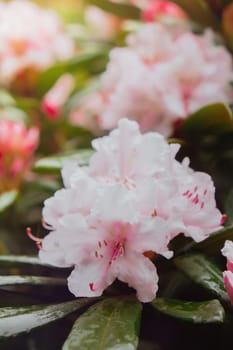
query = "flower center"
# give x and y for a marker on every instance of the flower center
(117, 250)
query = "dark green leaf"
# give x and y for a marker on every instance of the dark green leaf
(31, 280)
(118, 9)
(214, 118)
(55, 163)
(229, 208)
(110, 324)
(16, 320)
(204, 272)
(7, 199)
(197, 312)
(200, 12)
(12, 260)
(215, 242)
(83, 61)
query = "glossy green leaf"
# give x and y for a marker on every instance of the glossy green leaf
(214, 118)
(200, 12)
(118, 9)
(32, 280)
(55, 163)
(204, 272)
(198, 312)
(111, 324)
(7, 199)
(12, 260)
(215, 242)
(16, 320)
(83, 61)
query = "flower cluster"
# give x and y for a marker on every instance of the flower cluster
(133, 198)
(150, 80)
(17, 146)
(31, 39)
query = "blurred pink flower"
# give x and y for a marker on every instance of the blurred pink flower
(102, 24)
(31, 38)
(85, 115)
(56, 97)
(17, 146)
(132, 199)
(148, 80)
(227, 251)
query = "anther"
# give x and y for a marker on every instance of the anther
(154, 214)
(223, 219)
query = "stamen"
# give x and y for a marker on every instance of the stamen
(45, 225)
(35, 239)
(154, 214)
(186, 193)
(99, 244)
(118, 250)
(31, 236)
(96, 254)
(195, 199)
(105, 243)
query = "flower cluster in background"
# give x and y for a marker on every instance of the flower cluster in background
(31, 39)
(150, 81)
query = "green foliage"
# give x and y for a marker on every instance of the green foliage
(110, 324)
(215, 119)
(55, 163)
(204, 272)
(119, 9)
(85, 61)
(7, 199)
(16, 320)
(196, 312)
(200, 12)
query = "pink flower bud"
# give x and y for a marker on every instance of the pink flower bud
(157, 8)
(17, 146)
(56, 97)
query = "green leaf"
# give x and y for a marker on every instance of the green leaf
(12, 260)
(197, 312)
(215, 242)
(200, 12)
(16, 320)
(118, 9)
(32, 280)
(229, 208)
(7, 199)
(215, 118)
(55, 163)
(204, 272)
(110, 324)
(83, 61)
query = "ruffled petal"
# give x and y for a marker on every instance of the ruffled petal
(139, 273)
